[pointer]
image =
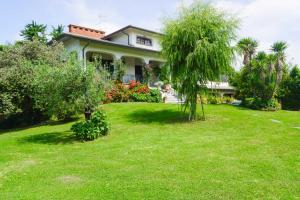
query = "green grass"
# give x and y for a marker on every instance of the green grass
(152, 152)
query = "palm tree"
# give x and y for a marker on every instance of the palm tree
(279, 52)
(57, 31)
(247, 47)
(34, 31)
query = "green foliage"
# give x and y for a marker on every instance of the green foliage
(261, 104)
(92, 129)
(197, 47)
(290, 88)
(120, 70)
(59, 89)
(165, 74)
(2, 47)
(18, 64)
(34, 31)
(214, 100)
(258, 82)
(134, 92)
(247, 47)
(118, 93)
(279, 49)
(57, 32)
(153, 96)
(95, 85)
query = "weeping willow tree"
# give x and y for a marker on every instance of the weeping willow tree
(197, 47)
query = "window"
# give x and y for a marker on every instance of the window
(143, 41)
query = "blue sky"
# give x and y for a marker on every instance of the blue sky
(265, 20)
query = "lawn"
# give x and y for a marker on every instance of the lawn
(152, 152)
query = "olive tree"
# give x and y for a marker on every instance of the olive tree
(197, 47)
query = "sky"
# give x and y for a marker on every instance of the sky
(265, 20)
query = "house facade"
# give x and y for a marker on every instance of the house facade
(135, 46)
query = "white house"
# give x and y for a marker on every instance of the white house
(136, 46)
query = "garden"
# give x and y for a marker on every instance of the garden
(154, 152)
(74, 132)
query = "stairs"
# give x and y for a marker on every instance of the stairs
(171, 97)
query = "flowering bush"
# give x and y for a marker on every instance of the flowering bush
(119, 93)
(137, 87)
(135, 92)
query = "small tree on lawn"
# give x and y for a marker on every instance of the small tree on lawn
(197, 47)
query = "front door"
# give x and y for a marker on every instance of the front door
(139, 73)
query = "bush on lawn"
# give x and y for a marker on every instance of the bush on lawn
(135, 92)
(92, 129)
(18, 63)
(290, 90)
(260, 104)
(214, 100)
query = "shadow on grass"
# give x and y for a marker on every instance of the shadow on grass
(46, 123)
(161, 116)
(53, 138)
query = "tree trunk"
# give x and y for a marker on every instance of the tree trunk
(246, 59)
(279, 71)
(87, 114)
(193, 108)
(202, 107)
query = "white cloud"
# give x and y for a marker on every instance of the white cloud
(269, 21)
(98, 16)
(266, 20)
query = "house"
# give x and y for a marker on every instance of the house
(136, 46)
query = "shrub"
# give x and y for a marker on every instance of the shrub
(92, 129)
(135, 92)
(18, 64)
(119, 93)
(290, 90)
(228, 100)
(260, 104)
(214, 100)
(155, 96)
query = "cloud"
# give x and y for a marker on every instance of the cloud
(269, 21)
(93, 14)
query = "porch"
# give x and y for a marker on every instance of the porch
(136, 67)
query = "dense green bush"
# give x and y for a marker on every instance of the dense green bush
(227, 99)
(92, 129)
(261, 104)
(153, 96)
(18, 63)
(290, 91)
(214, 100)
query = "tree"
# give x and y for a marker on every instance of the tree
(290, 88)
(197, 48)
(120, 69)
(95, 83)
(34, 31)
(57, 32)
(279, 49)
(247, 47)
(17, 66)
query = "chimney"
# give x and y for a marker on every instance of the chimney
(84, 31)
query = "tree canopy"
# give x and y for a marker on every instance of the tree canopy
(197, 47)
(34, 31)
